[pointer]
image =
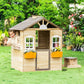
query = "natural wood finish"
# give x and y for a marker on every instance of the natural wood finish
(39, 24)
(30, 22)
(56, 64)
(71, 62)
(42, 22)
(28, 32)
(17, 55)
(29, 65)
(53, 33)
(47, 23)
(17, 59)
(43, 29)
(42, 59)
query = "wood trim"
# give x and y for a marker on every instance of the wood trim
(39, 24)
(48, 63)
(36, 61)
(44, 29)
(47, 23)
(42, 22)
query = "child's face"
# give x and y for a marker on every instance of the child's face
(12, 34)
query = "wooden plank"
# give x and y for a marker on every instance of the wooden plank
(47, 23)
(56, 64)
(38, 23)
(42, 22)
(28, 68)
(42, 59)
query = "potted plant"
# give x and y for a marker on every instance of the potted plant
(30, 54)
(56, 52)
(78, 43)
(64, 44)
(68, 42)
(73, 42)
(69, 45)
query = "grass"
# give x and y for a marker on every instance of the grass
(11, 76)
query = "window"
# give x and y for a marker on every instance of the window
(55, 41)
(29, 43)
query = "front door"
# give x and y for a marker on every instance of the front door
(43, 57)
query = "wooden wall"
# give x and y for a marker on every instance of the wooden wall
(29, 64)
(17, 55)
(20, 63)
(17, 60)
(55, 63)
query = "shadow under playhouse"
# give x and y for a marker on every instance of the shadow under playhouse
(48, 37)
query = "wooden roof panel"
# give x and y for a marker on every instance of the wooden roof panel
(30, 22)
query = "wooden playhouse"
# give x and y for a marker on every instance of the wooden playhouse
(40, 35)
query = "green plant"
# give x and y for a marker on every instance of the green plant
(69, 39)
(82, 39)
(78, 41)
(56, 49)
(1, 38)
(82, 46)
(6, 33)
(29, 51)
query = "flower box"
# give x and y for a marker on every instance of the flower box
(30, 55)
(57, 54)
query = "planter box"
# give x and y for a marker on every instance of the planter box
(30, 55)
(57, 54)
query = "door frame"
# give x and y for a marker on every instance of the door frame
(48, 54)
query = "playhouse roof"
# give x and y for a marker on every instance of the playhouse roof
(30, 22)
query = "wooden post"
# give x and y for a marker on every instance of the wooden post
(42, 22)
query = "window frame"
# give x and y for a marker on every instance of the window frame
(29, 43)
(56, 36)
